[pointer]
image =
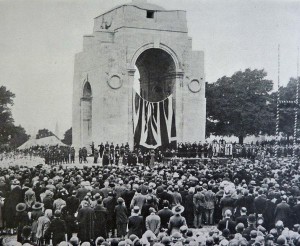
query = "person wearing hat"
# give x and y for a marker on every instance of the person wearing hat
(135, 223)
(251, 226)
(189, 208)
(48, 199)
(260, 202)
(121, 217)
(37, 211)
(57, 230)
(85, 218)
(239, 230)
(283, 212)
(100, 219)
(72, 203)
(163, 195)
(22, 219)
(110, 203)
(59, 202)
(153, 221)
(26, 235)
(246, 201)
(177, 220)
(15, 196)
(296, 211)
(166, 241)
(82, 191)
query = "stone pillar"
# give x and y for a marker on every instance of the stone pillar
(179, 105)
(130, 137)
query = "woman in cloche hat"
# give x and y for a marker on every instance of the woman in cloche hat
(22, 219)
(176, 221)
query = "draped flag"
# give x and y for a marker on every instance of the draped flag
(154, 122)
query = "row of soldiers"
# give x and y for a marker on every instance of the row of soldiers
(59, 154)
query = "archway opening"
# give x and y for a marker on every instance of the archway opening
(154, 102)
(155, 75)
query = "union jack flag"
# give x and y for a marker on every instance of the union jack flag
(154, 122)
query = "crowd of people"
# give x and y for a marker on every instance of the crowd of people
(251, 202)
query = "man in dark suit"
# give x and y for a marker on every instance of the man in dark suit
(101, 149)
(260, 202)
(72, 203)
(86, 218)
(251, 226)
(100, 220)
(243, 218)
(165, 214)
(296, 211)
(246, 201)
(57, 228)
(163, 195)
(227, 223)
(283, 212)
(135, 223)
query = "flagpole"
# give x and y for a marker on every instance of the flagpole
(277, 105)
(296, 110)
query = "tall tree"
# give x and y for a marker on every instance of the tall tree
(239, 105)
(6, 120)
(18, 137)
(68, 137)
(43, 133)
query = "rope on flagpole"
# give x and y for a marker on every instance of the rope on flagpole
(277, 106)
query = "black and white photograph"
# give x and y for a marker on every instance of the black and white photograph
(149, 122)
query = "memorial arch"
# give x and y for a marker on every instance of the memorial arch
(170, 105)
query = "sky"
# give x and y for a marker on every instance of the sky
(39, 39)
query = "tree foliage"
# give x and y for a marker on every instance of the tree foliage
(10, 135)
(43, 133)
(68, 137)
(239, 105)
(6, 120)
(18, 137)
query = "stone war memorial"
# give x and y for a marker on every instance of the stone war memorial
(138, 80)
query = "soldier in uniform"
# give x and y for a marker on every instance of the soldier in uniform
(127, 147)
(72, 153)
(200, 149)
(194, 150)
(84, 155)
(180, 149)
(107, 146)
(122, 150)
(67, 154)
(205, 149)
(117, 156)
(112, 149)
(96, 155)
(117, 149)
(105, 160)
(80, 155)
(101, 149)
